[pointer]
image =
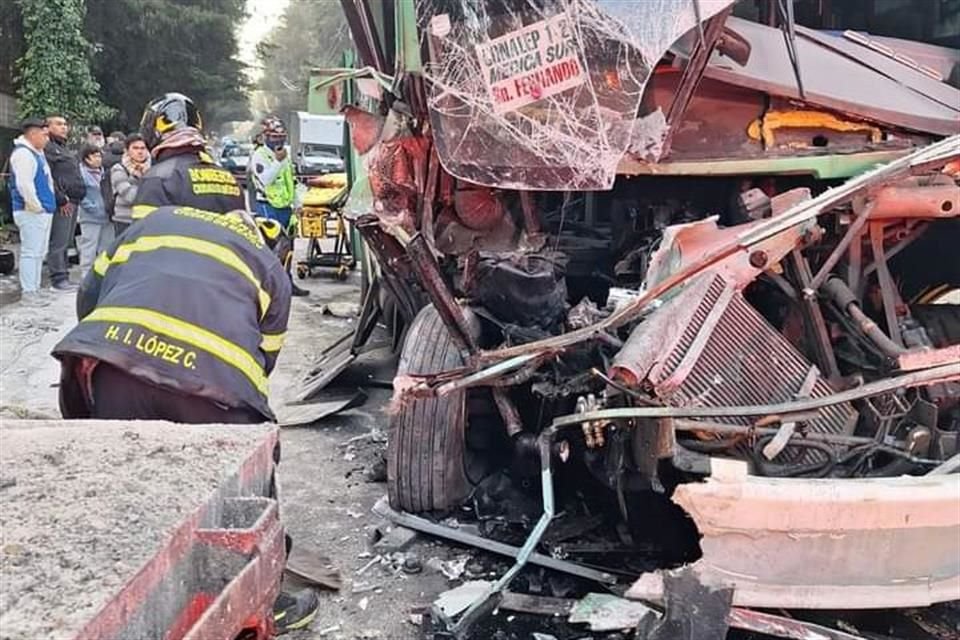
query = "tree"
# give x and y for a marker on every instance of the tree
(53, 74)
(312, 33)
(149, 47)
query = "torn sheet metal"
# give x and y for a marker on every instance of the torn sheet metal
(850, 86)
(696, 609)
(684, 244)
(292, 415)
(783, 627)
(800, 543)
(457, 600)
(543, 95)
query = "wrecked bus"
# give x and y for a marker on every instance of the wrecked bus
(690, 270)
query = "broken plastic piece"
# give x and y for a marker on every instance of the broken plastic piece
(605, 612)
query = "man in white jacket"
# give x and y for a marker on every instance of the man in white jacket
(34, 202)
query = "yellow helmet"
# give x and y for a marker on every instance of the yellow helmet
(271, 230)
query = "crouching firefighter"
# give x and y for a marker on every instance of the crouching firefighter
(181, 319)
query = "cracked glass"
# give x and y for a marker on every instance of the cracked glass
(547, 94)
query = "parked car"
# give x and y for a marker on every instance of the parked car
(316, 159)
(235, 157)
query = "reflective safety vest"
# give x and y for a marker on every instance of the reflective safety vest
(187, 300)
(281, 191)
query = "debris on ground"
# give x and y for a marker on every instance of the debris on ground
(605, 612)
(394, 539)
(457, 600)
(313, 568)
(451, 569)
(329, 630)
(345, 310)
(308, 413)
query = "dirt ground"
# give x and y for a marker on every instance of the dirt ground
(70, 540)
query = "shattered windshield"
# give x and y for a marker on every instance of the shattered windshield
(545, 94)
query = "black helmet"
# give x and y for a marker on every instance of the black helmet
(170, 112)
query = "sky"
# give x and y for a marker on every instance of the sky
(264, 15)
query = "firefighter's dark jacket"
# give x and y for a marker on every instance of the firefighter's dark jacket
(188, 300)
(187, 177)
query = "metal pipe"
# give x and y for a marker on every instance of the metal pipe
(853, 232)
(838, 291)
(683, 424)
(486, 375)
(912, 235)
(949, 466)
(508, 411)
(431, 279)
(914, 379)
(888, 288)
(928, 201)
(545, 441)
(815, 325)
(875, 333)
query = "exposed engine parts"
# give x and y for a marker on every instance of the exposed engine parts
(803, 301)
(592, 431)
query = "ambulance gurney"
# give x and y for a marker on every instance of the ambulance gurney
(322, 218)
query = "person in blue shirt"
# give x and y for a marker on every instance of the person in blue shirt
(34, 202)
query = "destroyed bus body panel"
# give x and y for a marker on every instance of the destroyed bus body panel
(865, 543)
(644, 258)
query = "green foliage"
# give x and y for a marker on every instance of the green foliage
(149, 47)
(313, 33)
(53, 74)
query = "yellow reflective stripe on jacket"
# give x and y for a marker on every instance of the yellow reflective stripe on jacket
(101, 264)
(222, 349)
(140, 211)
(272, 341)
(185, 243)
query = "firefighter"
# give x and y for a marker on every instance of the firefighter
(182, 319)
(271, 173)
(183, 173)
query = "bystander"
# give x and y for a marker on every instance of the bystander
(70, 190)
(34, 202)
(125, 177)
(113, 150)
(95, 137)
(96, 230)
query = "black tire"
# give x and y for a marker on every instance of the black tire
(426, 448)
